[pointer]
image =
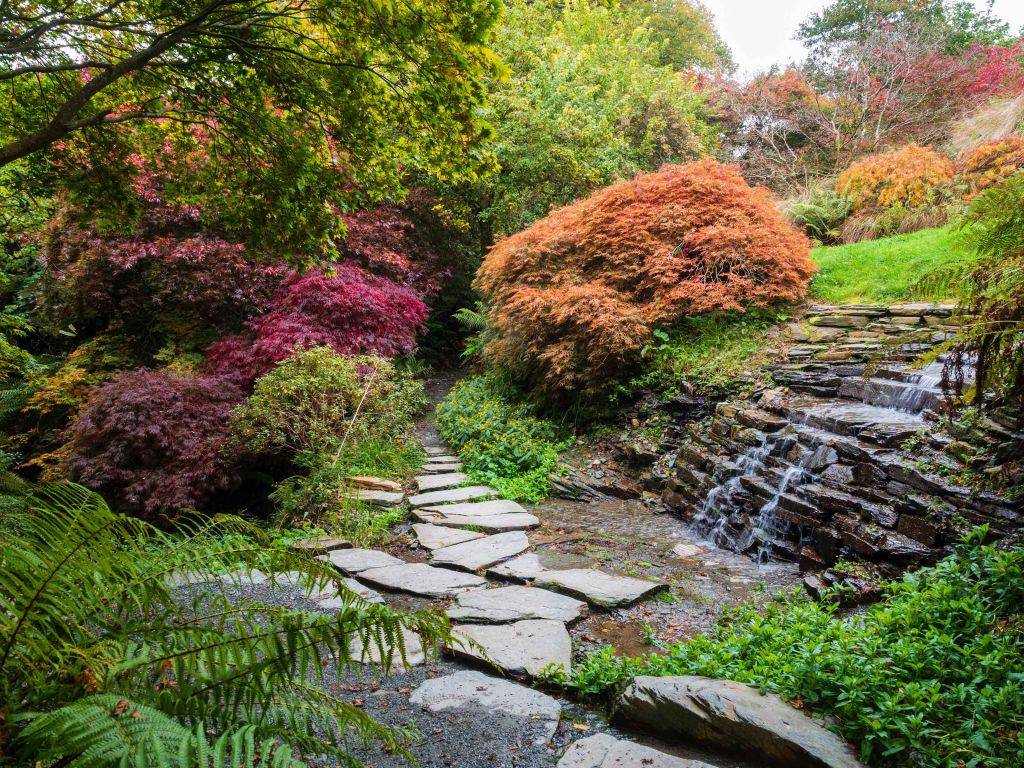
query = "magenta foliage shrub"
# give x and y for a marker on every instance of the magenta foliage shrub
(153, 440)
(101, 278)
(350, 311)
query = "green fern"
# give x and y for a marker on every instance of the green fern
(101, 664)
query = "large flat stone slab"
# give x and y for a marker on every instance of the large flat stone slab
(489, 523)
(441, 467)
(597, 587)
(438, 536)
(515, 603)
(604, 751)
(466, 493)
(352, 561)
(377, 653)
(481, 553)
(479, 694)
(478, 508)
(374, 483)
(318, 545)
(727, 715)
(521, 649)
(421, 579)
(379, 498)
(434, 450)
(523, 568)
(444, 480)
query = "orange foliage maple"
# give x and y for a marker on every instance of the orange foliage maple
(991, 162)
(575, 297)
(909, 176)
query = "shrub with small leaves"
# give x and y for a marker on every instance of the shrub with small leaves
(991, 163)
(154, 441)
(911, 176)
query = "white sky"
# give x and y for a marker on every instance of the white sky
(761, 32)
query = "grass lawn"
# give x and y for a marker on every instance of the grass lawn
(885, 270)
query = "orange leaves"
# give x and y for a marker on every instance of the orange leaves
(909, 176)
(574, 298)
(991, 162)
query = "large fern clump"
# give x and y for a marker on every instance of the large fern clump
(103, 664)
(993, 329)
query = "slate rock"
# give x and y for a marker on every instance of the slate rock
(480, 553)
(379, 498)
(355, 560)
(437, 536)
(515, 603)
(521, 649)
(597, 587)
(421, 579)
(444, 480)
(466, 493)
(321, 544)
(604, 751)
(433, 450)
(372, 652)
(374, 483)
(478, 508)
(522, 568)
(728, 715)
(476, 692)
(490, 523)
(441, 467)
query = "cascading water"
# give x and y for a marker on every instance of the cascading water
(710, 520)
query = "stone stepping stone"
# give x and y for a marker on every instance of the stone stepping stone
(380, 498)
(523, 568)
(478, 508)
(447, 466)
(326, 596)
(467, 493)
(444, 480)
(375, 483)
(352, 561)
(521, 649)
(433, 450)
(370, 651)
(437, 536)
(442, 458)
(604, 751)
(243, 577)
(478, 694)
(597, 587)
(478, 554)
(319, 545)
(489, 523)
(421, 579)
(505, 604)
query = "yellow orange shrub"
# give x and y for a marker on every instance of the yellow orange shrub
(909, 177)
(990, 163)
(575, 297)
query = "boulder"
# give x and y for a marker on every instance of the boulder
(727, 715)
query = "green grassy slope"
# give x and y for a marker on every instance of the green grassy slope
(886, 270)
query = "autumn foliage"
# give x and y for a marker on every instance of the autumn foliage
(991, 163)
(909, 177)
(575, 297)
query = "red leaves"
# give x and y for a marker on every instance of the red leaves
(152, 441)
(351, 311)
(574, 298)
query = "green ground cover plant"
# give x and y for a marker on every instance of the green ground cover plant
(883, 271)
(931, 676)
(501, 441)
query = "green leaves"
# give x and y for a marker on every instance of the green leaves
(929, 677)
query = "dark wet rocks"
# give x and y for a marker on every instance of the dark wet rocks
(732, 717)
(474, 694)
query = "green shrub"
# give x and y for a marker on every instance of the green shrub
(309, 402)
(501, 442)
(821, 213)
(931, 676)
